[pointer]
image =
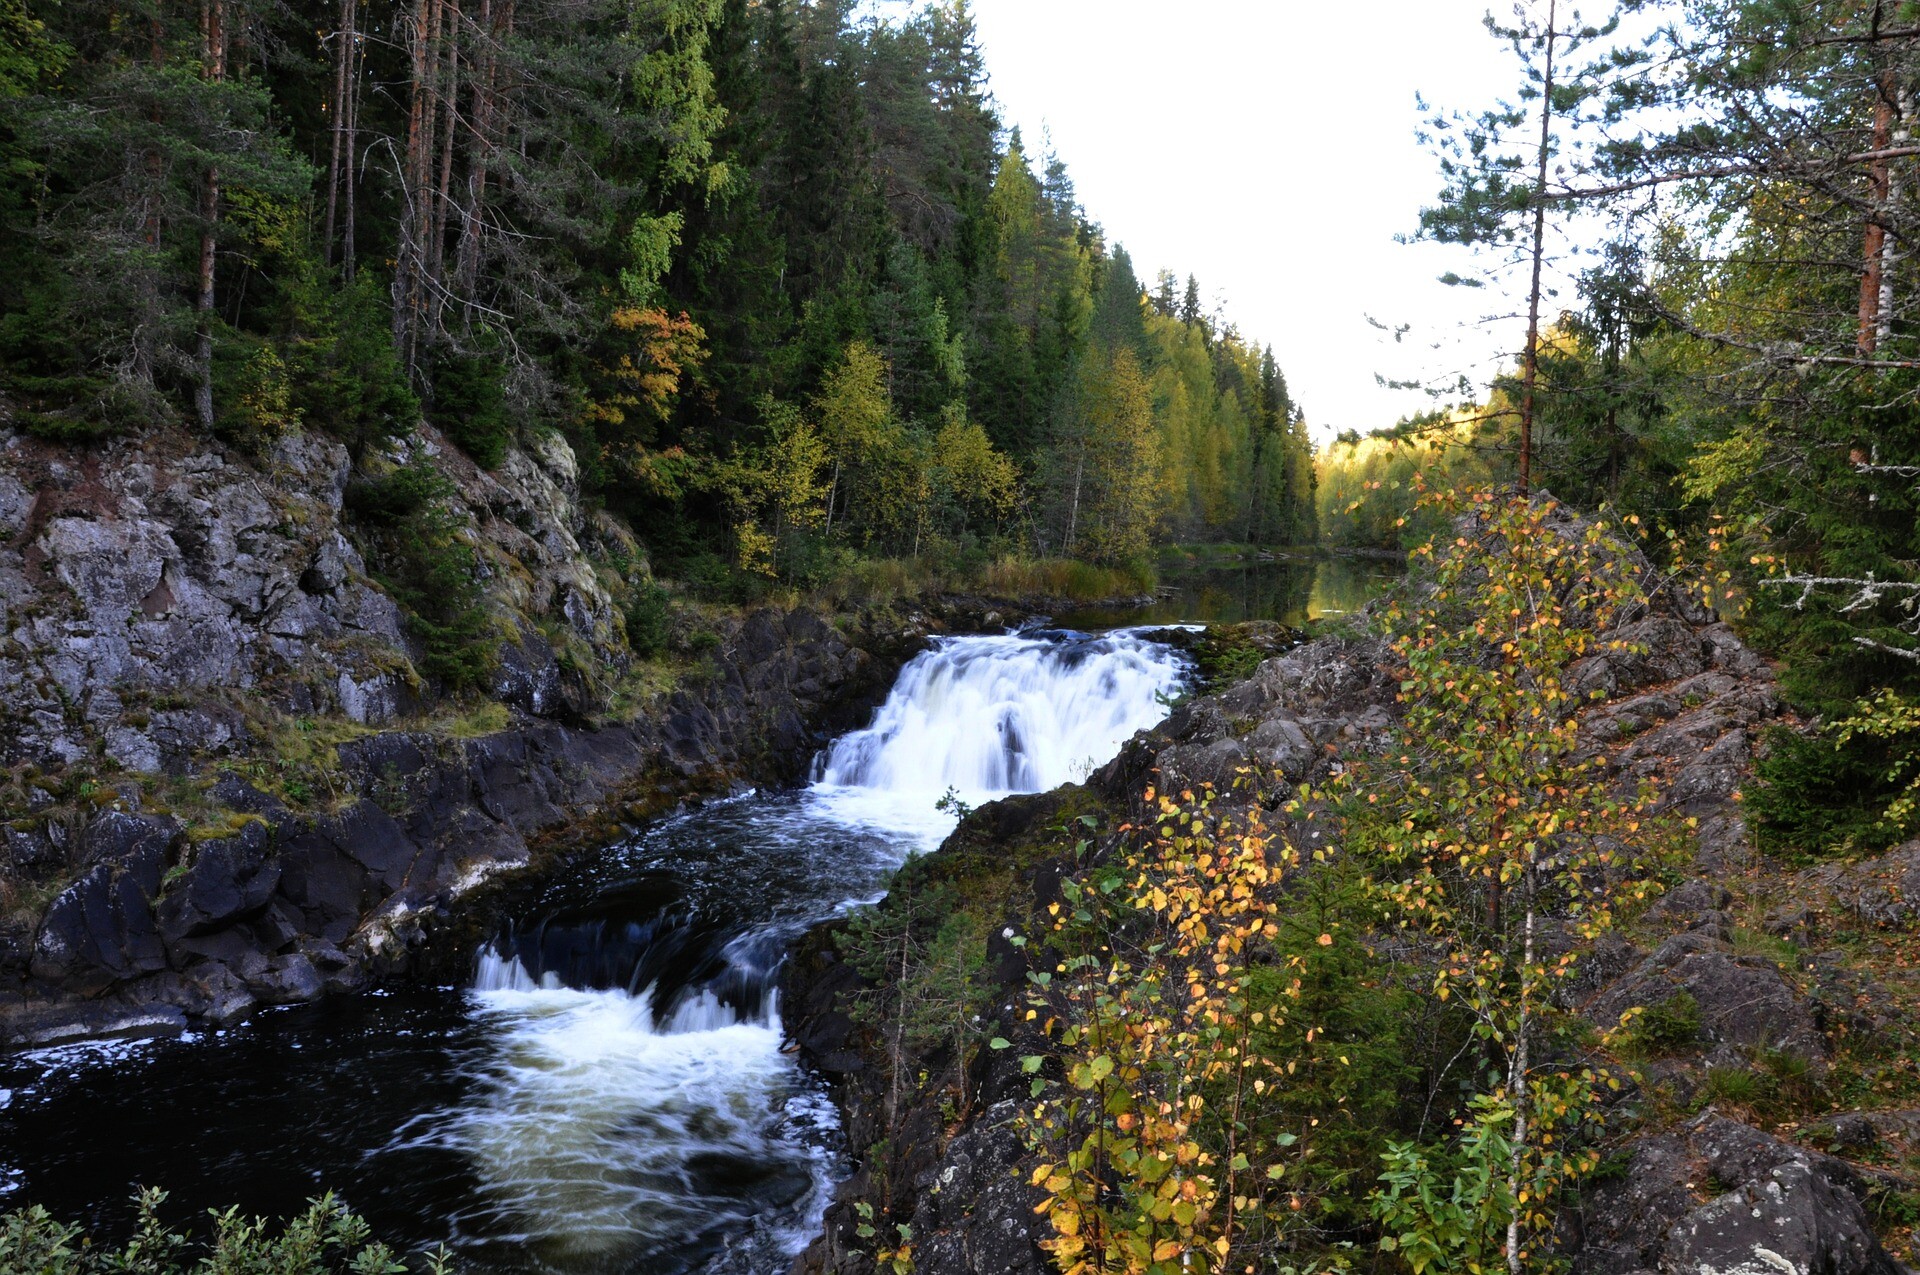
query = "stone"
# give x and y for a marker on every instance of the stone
(101, 929)
(1882, 891)
(227, 880)
(1793, 1222)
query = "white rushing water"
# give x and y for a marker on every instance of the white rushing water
(611, 1127)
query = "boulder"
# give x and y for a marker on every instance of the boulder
(227, 880)
(1717, 1197)
(101, 929)
(1743, 1001)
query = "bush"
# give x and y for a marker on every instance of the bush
(1819, 797)
(252, 393)
(649, 620)
(469, 406)
(1670, 1025)
(417, 555)
(347, 378)
(327, 1239)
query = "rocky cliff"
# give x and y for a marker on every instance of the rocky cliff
(1804, 984)
(228, 781)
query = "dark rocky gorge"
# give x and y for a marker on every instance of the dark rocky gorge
(219, 795)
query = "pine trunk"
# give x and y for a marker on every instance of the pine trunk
(1531, 375)
(337, 153)
(1879, 185)
(213, 37)
(443, 187)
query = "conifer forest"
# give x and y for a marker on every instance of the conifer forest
(780, 276)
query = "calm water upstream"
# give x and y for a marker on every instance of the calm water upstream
(609, 1093)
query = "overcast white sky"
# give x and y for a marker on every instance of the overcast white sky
(1267, 147)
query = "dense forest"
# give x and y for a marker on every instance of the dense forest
(777, 272)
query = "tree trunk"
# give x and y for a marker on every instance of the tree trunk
(339, 152)
(443, 187)
(1890, 246)
(1517, 1082)
(1073, 509)
(1879, 181)
(350, 173)
(213, 40)
(1531, 375)
(409, 273)
(466, 267)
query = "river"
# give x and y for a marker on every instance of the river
(609, 1093)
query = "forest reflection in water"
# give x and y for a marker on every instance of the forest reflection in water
(1215, 588)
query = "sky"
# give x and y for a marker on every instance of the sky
(1267, 147)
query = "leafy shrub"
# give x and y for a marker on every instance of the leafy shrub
(325, 1240)
(252, 393)
(1663, 1028)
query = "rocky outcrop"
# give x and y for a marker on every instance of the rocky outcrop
(287, 905)
(1717, 1197)
(1683, 704)
(136, 580)
(224, 782)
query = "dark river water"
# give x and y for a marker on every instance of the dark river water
(608, 1092)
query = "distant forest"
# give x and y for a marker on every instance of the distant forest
(779, 274)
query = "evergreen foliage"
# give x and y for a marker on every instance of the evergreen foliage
(681, 234)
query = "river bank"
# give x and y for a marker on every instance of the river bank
(1784, 999)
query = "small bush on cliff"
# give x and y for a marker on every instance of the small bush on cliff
(649, 616)
(327, 1239)
(414, 545)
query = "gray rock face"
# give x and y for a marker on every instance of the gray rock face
(1722, 1198)
(157, 569)
(1883, 891)
(1743, 1001)
(976, 1210)
(150, 569)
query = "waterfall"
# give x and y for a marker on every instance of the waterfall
(637, 1094)
(989, 716)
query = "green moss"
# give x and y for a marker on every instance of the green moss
(232, 825)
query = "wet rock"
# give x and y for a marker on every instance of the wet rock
(101, 929)
(34, 1026)
(226, 880)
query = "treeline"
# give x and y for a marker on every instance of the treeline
(778, 274)
(1738, 361)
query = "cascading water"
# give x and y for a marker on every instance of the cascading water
(613, 1095)
(988, 716)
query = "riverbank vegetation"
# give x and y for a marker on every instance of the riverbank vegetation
(1263, 1043)
(777, 272)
